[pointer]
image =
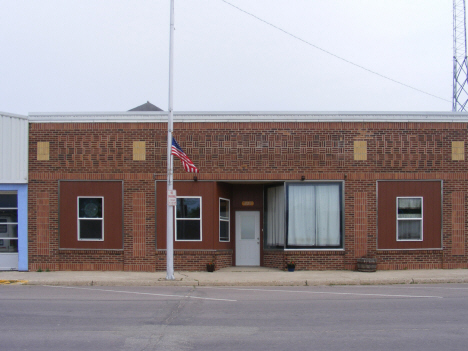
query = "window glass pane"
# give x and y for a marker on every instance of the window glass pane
(8, 245)
(223, 220)
(8, 230)
(275, 216)
(248, 227)
(10, 216)
(8, 200)
(314, 215)
(409, 208)
(327, 204)
(224, 209)
(90, 207)
(409, 230)
(188, 230)
(302, 216)
(90, 229)
(188, 208)
(224, 231)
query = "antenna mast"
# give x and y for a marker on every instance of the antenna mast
(460, 66)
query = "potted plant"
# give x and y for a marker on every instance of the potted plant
(210, 267)
(291, 266)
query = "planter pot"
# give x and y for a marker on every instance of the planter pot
(210, 267)
(366, 264)
(291, 268)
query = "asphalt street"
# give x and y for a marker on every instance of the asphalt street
(403, 317)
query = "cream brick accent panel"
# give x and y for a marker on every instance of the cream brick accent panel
(139, 150)
(458, 223)
(42, 220)
(139, 224)
(458, 150)
(360, 224)
(360, 150)
(43, 151)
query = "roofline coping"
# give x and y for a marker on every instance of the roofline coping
(246, 116)
(7, 114)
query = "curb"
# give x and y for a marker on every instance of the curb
(9, 282)
(236, 283)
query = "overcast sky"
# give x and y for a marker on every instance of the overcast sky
(113, 55)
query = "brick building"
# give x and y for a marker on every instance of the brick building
(320, 189)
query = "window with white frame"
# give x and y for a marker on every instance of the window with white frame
(409, 218)
(224, 212)
(8, 222)
(90, 218)
(188, 219)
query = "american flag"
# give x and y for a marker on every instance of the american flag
(186, 161)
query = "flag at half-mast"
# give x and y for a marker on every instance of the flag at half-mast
(186, 161)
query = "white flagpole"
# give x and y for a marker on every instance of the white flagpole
(170, 126)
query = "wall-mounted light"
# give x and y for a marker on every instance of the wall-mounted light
(302, 177)
(345, 176)
(195, 178)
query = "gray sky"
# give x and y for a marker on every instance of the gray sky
(113, 55)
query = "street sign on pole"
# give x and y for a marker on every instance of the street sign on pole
(171, 198)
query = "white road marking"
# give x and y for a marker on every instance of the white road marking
(321, 292)
(140, 293)
(430, 287)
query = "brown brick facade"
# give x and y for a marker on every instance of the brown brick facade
(246, 152)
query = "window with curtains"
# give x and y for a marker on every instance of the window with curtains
(409, 218)
(314, 215)
(304, 215)
(275, 217)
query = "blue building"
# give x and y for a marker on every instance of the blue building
(13, 192)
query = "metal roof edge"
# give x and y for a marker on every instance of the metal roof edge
(260, 116)
(106, 113)
(14, 115)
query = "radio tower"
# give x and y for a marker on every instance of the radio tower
(460, 65)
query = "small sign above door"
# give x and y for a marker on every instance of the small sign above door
(247, 203)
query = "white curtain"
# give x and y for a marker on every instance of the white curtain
(409, 208)
(275, 216)
(314, 215)
(409, 230)
(302, 216)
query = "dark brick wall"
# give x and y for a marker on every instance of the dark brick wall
(246, 151)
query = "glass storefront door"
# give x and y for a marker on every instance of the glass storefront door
(8, 231)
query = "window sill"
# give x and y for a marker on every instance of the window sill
(316, 249)
(62, 249)
(418, 249)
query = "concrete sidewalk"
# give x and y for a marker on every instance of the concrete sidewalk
(235, 276)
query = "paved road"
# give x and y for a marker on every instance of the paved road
(396, 317)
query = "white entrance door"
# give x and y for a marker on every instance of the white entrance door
(247, 238)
